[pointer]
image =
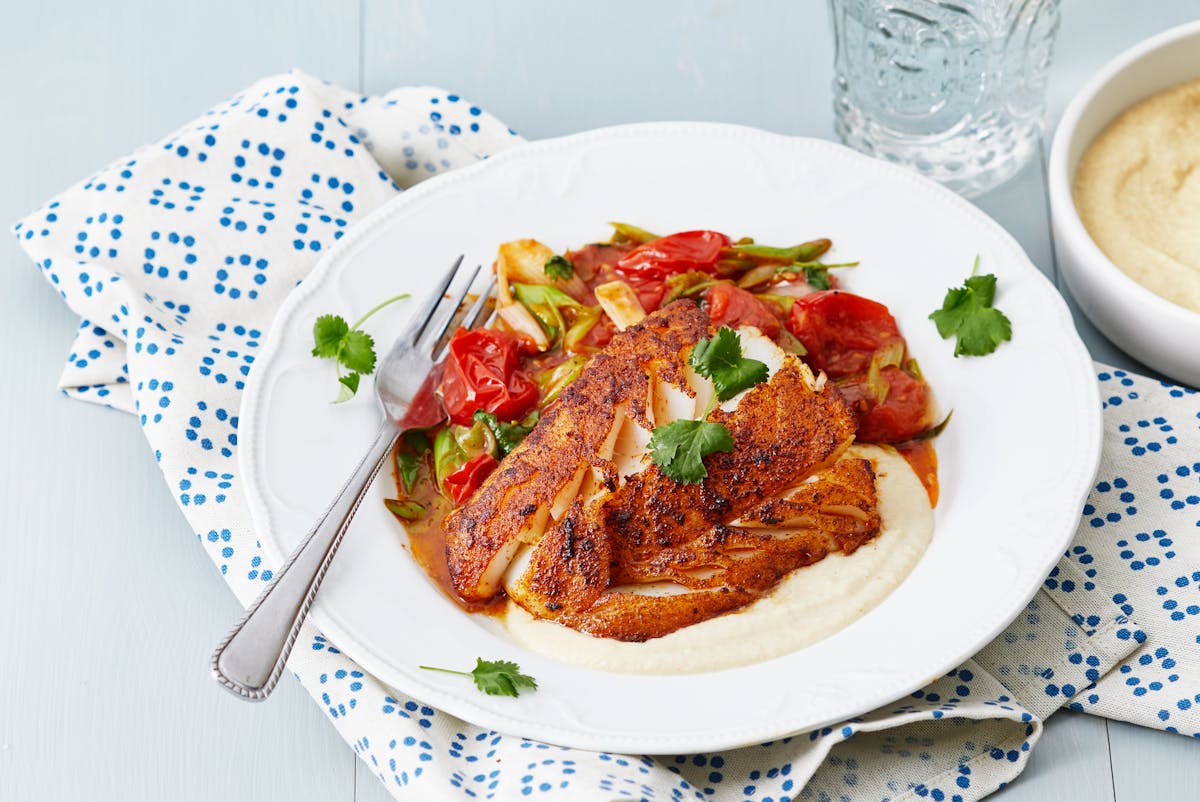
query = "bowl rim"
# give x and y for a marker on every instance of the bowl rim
(1065, 216)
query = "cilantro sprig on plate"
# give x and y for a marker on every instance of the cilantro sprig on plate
(349, 346)
(494, 677)
(967, 314)
(679, 448)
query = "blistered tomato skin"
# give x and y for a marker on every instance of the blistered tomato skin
(903, 415)
(590, 258)
(732, 306)
(676, 253)
(649, 291)
(483, 371)
(841, 331)
(461, 484)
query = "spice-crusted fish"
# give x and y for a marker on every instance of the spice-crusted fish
(590, 531)
(573, 441)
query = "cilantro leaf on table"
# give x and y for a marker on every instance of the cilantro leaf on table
(967, 314)
(679, 447)
(349, 346)
(559, 268)
(720, 359)
(495, 677)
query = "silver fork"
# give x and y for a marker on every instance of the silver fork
(251, 659)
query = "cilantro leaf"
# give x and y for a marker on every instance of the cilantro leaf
(817, 277)
(559, 268)
(720, 359)
(407, 465)
(508, 435)
(349, 346)
(348, 387)
(410, 456)
(984, 287)
(501, 677)
(495, 677)
(328, 333)
(358, 352)
(967, 313)
(680, 447)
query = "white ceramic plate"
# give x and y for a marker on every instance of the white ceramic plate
(1016, 461)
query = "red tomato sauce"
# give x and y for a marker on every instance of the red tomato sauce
(427, 542)
(923, 459)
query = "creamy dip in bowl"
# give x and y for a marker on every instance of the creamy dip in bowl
(1153, 317)
(1137, 190)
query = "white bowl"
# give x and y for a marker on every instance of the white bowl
(1150, 328)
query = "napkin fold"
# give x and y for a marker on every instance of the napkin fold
(176, 258)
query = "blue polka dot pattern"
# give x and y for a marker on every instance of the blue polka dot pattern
(1139, 549)
(176, 258)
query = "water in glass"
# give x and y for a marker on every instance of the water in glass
(952, 88)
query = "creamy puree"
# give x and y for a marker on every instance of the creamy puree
(809, 604)
(1137, 191)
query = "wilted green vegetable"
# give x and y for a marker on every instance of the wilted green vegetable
(624, 232)
(553, 380)
(455, 445)
(508, 435)
(559, 314)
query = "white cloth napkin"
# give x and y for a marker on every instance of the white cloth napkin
(177, 257)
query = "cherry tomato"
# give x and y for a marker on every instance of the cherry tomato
(903, 414)
(732, 306)
(649, 291)
(841, 331)
(483, 371)
(677, 253)
(467, 479)
(590, 258)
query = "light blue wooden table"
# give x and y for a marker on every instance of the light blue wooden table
(108, 607)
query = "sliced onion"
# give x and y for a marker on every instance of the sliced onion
(523, 324)
(523, 261)
(889, 356)
(621, 304)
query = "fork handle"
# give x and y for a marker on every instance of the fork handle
(251, 659)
